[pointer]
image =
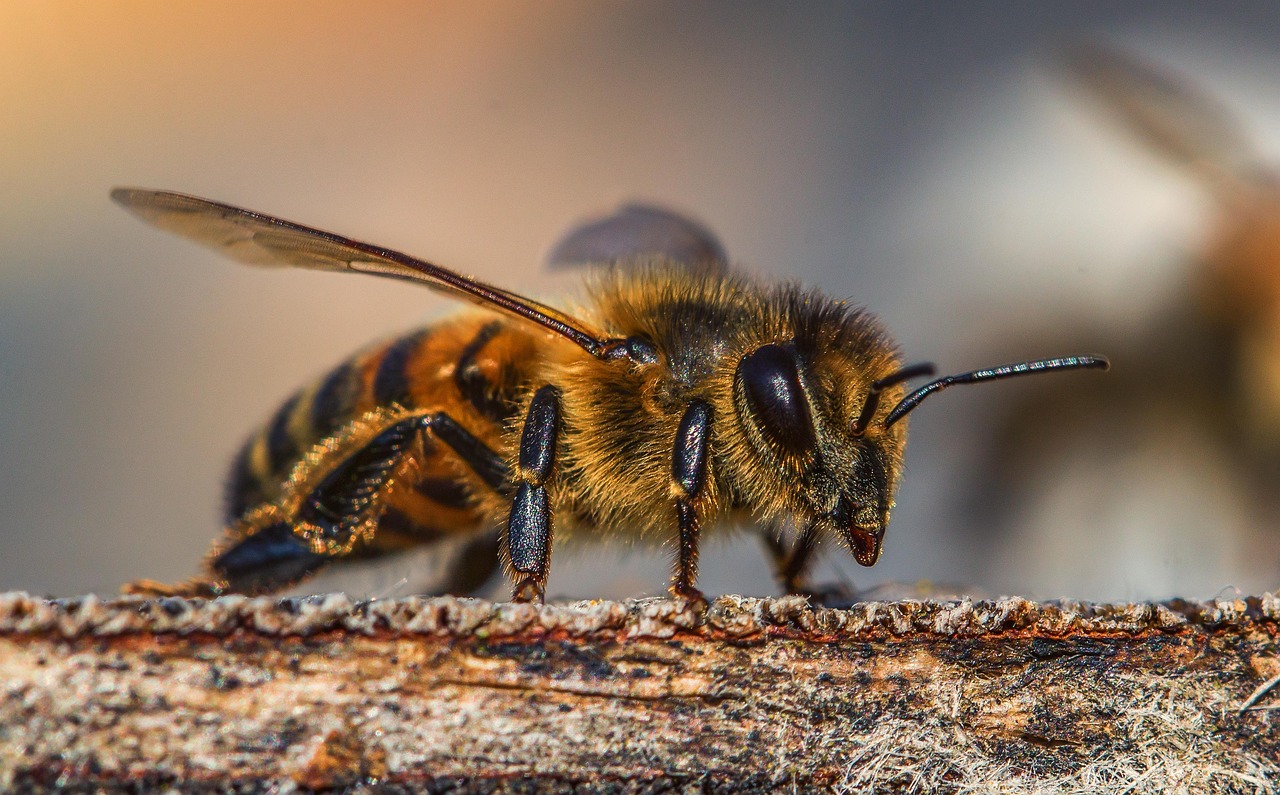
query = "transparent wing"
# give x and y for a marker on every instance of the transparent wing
(1168, 113)
(638, 230)
(264, 240)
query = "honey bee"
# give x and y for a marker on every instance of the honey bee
(679, 399)
(1202, 374)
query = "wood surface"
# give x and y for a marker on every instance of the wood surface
(757, 695)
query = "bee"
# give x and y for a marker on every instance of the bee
(1203, 371)
(679, 399)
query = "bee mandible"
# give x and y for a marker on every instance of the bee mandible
(678, 399)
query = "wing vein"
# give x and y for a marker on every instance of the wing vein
(265, 240)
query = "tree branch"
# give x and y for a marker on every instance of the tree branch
(759, 695)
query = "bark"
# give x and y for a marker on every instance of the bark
(457, 695)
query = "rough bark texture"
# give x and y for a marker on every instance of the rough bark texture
(456, 695)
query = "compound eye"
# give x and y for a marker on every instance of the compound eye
(771, 382)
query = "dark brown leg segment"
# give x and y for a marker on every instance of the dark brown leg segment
(529, 527)
(476, 564)
(689, 474)
(792, 571)
(790, 561)
(791, 564)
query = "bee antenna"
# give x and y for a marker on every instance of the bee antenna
(873, 396)
(991, 374)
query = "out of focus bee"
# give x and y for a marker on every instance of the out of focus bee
(683, 396)
(1193, 422)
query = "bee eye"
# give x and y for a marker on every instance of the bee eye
(776, 399)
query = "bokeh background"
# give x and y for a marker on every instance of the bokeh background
(929, 161)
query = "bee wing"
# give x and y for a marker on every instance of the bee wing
(258, 239)
(639, 230)
(1168, 113)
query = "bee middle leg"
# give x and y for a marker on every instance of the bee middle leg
(689, 475)
(529, 525)
(333, 520)
(474, 566)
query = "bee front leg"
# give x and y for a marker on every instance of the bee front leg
(688, 476)
(793, 567)
(529, 526)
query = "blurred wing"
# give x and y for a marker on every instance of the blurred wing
(265, 240)
(639, 230)
(1167, 113)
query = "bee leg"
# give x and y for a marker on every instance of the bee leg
(792, 569)
(529, 526)
(791, 564)
(337, 514)
(488, 465)
(775, 545)
(273, 558)
(341, 510)
(348, 497)
(475, 566)
(688, 475)
(774, 541)
(194, 587)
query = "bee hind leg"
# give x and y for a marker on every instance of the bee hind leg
(196, 587)
(337, 519)
(262, 555)
(273, 558)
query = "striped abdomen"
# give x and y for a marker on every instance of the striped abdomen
(472, 367)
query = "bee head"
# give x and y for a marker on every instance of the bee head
(826, 447)
(827, 464)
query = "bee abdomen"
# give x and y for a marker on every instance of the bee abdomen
(334, 402)
(265, 458)
(310, 416)
(471, 382)
(282, 446)
(391, 383)
(244, 485)
(471, 369)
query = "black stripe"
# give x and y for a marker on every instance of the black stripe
(446, 492)
(472, 384)
(336, 398)
(243, 491)
(282, 450)
(391, 385)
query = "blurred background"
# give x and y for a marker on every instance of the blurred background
(938, 164)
